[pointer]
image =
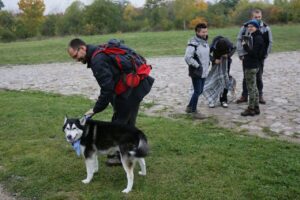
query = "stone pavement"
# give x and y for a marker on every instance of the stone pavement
(279, 118)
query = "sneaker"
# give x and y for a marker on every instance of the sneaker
(197, 115)
(248, 112)
(242, 99)
(113, 160)
(211, 105)
(261, 100)
(224, 104)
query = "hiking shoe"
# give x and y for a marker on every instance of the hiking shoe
(242, 99)
(248, 112)
(113, 160)
(261, 100)
(224, 104)
(211, 105)
(257, 110)
(197, 115)
(188, 109)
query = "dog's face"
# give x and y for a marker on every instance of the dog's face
(73, 129)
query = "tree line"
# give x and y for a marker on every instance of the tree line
(106, 16)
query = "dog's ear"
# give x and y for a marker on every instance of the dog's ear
(66, 118)
(82, 121)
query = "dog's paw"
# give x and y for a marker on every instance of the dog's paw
(126, 190)
(142, 173)
(86, 181)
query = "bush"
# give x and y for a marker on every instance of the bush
(7, 36)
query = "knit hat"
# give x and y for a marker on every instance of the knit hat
(253, 22)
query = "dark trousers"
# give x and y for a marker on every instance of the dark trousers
(125, 110)
(223, 97)
(198, 84)
(259, 81)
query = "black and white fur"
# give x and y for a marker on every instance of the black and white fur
(107, 138)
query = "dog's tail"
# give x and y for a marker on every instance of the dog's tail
(143, 147)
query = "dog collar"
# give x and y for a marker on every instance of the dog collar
(76, 147)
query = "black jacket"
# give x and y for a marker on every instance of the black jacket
(255, 54)
(107, 75)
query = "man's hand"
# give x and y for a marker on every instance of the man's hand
(89, 113)
(217, 61)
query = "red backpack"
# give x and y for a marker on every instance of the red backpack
(133, 66)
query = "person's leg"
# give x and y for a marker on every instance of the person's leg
(223, 97)
(244, 97)
(250, 75)
(125, 112)
(260, 84)
(197, 91)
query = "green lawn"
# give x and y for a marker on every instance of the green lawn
(150, 44)
(188, 160)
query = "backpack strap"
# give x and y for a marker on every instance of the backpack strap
(195, 56)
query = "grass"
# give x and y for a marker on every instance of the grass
(149, 44)
(188, 160)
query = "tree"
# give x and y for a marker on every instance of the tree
(152, 13)
(32, 15)
(7, 20)
(104, 15)
(72, 21)
(1, 4)
(186, 10)
(48, 28)
(7, 26)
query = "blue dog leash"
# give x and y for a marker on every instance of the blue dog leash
(76, 147)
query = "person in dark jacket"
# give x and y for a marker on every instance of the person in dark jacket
(268, 41)
(254, 46)
(222, 48)
(107, 74)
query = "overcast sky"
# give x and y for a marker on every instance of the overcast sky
(55, 6)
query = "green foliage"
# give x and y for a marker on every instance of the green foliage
(22, 31)
(72, 21)
(7, 20)
(188, 160)
(32, 15)
(105, 15)
(7, 26)
(147, 43)
(7, 35)
(49, 26)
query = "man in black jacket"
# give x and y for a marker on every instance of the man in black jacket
(254, 46)
(107, 74)
(268, 41)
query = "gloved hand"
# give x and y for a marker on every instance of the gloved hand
(89, 114)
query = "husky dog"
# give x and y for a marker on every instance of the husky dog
(107, 138)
